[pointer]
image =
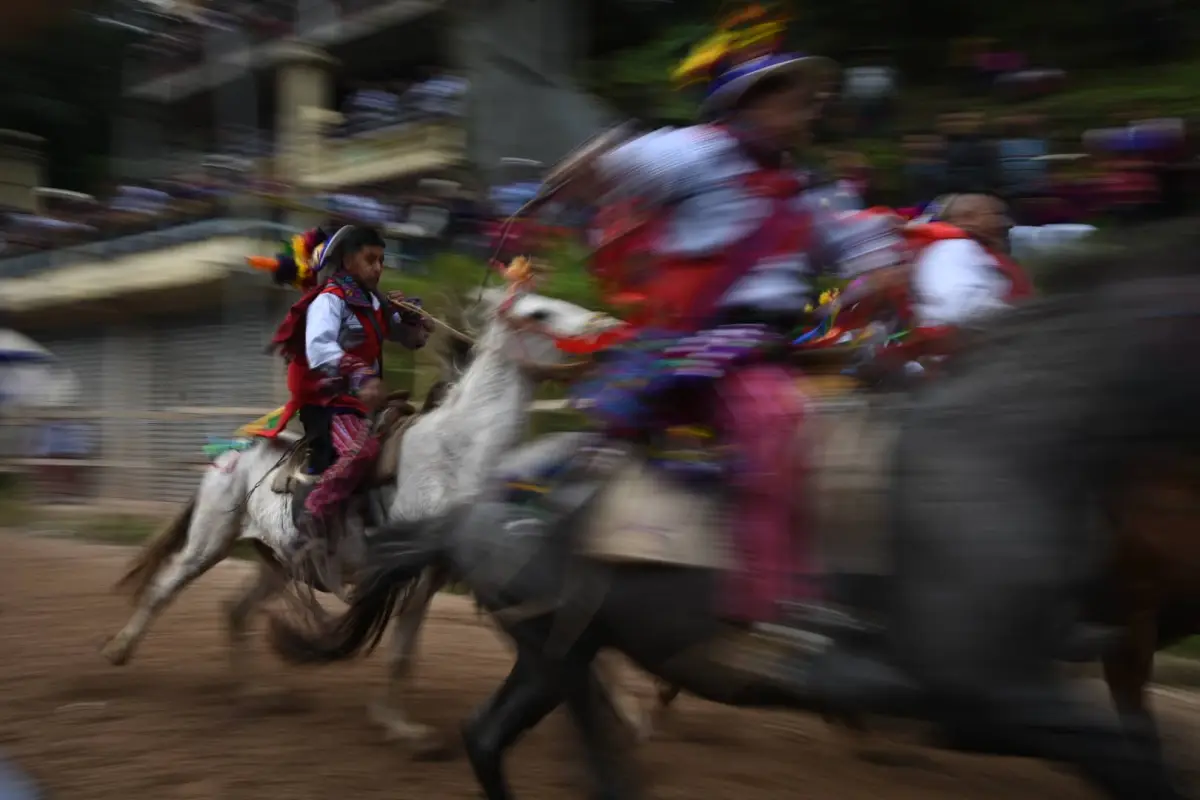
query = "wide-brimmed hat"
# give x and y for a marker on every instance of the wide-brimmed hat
(330, 257)
(727, 87)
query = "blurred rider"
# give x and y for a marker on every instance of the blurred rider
(717, 236)
(964, 273)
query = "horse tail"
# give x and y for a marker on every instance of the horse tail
(397, 555)
(166, 543)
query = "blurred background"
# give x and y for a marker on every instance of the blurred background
(148, 146)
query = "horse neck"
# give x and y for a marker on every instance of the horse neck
(485, 413)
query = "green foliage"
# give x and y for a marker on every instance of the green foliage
(637, 79)
(444, 290)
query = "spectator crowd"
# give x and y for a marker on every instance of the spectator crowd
(180, 29)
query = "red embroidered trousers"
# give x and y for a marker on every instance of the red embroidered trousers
(356, 452)
(762, 410)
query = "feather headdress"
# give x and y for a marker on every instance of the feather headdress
(298, 262)
(743, 33)
(746, 48)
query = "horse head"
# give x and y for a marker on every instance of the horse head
(526, 329)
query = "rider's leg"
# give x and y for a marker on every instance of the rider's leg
(356, 452)
(763, 411)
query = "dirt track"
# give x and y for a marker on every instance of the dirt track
(170, 725)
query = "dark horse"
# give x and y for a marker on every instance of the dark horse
(1000, 470)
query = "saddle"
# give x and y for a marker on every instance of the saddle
(292, 476)
(634, 510)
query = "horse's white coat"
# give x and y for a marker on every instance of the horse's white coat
(444, 459)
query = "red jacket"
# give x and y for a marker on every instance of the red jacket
(676, 293)
(925, 339)
(1020, 287)
(308, 386)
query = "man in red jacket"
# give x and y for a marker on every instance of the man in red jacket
(962, 271)
(333, 340)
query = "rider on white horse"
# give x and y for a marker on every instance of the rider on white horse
(333, 340)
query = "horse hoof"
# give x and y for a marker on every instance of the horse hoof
(435, 748)
(115, 653)
(427, 743)
(484, 764)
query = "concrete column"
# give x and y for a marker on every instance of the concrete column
(518, 56)
(22, 169)
(304, 110)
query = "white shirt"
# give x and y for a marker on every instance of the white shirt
(956, 282)
(1045, 240)
(331, 328)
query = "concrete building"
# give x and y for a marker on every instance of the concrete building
(517, 56)
(168, 348)
(166, 332)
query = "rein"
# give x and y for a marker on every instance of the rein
(414, 309)
(556, 372)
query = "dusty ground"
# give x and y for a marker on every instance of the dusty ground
(171, 725)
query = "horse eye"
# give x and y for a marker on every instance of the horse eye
(541, 315)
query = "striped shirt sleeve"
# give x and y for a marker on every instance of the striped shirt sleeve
(666, 164)
(849, 243)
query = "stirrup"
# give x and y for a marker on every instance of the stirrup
(826, 620)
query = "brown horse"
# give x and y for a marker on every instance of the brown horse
(1153, 592)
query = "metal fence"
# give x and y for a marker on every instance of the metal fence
(152, 394)
(130, 459)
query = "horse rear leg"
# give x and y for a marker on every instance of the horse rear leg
(626, 704)
(1128, 668)
(269, 580)
(388, 711)
(195, 543)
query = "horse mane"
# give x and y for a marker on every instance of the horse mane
(454, 352)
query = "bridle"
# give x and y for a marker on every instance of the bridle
(597, 323)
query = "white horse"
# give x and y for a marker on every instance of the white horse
(444, 459)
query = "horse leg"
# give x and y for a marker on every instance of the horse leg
(664, 695)
(524, 700)
(587, 702)
(1128, 668)
(209, 533)
(626, 704)
(388, 710)
(1050, 723)
(268, 581)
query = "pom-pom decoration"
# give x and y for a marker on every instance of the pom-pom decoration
(747, 32)
(296, 264)
(519, 271)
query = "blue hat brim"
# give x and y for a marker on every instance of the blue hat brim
(727, 96)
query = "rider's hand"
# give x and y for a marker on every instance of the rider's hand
(396, 296)
(372, 394)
